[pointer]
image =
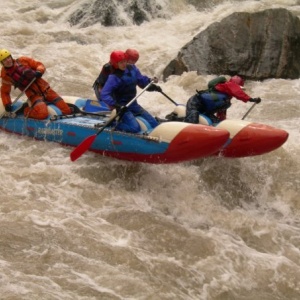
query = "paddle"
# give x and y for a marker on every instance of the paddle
(87, 143)
(23, 92)
(249, 110)
(168, 98)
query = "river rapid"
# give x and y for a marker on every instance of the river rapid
(100, 228)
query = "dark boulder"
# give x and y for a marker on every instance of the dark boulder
(257, 45)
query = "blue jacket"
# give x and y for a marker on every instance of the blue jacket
(120, 87)
(214, 100)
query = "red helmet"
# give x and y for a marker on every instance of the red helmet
(132, 55)
(238, 80)
(116, 57)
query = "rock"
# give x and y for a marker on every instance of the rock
(257, 45)
(107, 13)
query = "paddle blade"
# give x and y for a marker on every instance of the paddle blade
(82, 147)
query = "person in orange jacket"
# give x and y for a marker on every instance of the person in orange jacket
(215, 101)
(19, 73)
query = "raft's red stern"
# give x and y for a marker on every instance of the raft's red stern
(254, 139)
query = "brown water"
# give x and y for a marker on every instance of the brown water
(99, 228)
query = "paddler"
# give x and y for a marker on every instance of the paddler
(217, 99)
(20, 73)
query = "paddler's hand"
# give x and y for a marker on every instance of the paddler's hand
(154, 88)
(8, 107)
(154, 79)
(120, 110)
(38, 74)
(255, 100)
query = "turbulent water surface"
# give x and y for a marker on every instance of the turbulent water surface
(100, 228)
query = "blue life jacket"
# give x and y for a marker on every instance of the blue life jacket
(214, 100)
(127, 89)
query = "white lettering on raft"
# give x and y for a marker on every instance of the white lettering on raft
(49, 131)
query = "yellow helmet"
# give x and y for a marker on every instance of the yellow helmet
(4, 54)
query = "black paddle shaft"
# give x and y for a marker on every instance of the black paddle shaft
(168, 98)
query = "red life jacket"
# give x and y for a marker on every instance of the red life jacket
(20, 75)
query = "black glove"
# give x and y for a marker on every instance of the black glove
(117, 107)
(154, 88)
(120, 109)
(38, 74)
(256, 100)
(8, 107)
(29, 74)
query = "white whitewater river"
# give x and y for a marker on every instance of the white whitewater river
(100, 228)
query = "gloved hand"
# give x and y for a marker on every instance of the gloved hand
(256, 100)
(154, 88)
(38, 74)
(154, 79)
(8, 107)
(120, 109)
(29, 74)
(117, 107)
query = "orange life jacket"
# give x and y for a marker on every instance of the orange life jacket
(21, 75)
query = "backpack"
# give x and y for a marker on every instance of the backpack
(212, 83)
